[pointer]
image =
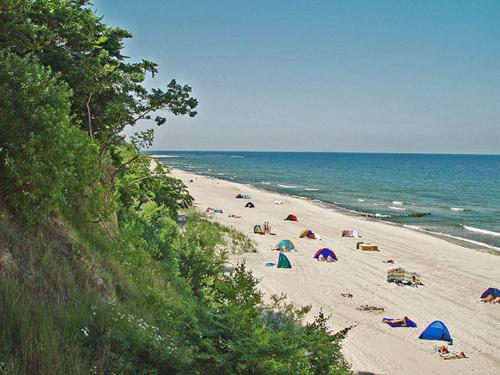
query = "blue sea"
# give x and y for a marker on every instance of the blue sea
(455, 195)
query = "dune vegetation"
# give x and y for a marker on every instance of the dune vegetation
(104, 267)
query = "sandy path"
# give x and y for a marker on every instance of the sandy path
(454, 277)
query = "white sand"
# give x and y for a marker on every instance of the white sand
(454, 278)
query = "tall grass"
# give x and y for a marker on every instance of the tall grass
(73, 301)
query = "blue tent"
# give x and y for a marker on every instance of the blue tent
(436, 331)
(493, 291)
(326, 253)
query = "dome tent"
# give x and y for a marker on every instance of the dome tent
(493, 291)
(436, 331)
(308, 234)
(250, 205)
(325, 252)
(283, 261)
(258, 229)
(285, 245)
(291, 217)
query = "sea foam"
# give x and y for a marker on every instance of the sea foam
(482, 244)
(381, 216)
(411, 226)
(396, 208)
(482, 231)
(160, 156)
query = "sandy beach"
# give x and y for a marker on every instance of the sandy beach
(453, 276)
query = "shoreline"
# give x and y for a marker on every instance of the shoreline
(464, 242)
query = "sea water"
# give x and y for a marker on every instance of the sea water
(456, 195)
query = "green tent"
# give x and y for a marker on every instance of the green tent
(283, 261)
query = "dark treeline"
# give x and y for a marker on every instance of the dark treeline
(97, 276)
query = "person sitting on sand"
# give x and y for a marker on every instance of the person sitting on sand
(496, 300)
(398, 322)
(329, 259)
(321, 258)
(442, 349)
(489, 298)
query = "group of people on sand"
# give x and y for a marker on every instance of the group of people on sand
(329, 258)
(403, 322)
(266, 227)
(490, 298)
(444, 353)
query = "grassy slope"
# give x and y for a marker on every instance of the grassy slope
(74, 301)
(58, 282)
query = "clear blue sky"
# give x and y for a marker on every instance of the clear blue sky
(395, 76)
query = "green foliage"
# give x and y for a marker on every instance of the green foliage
(45, 163)
(323, 347)
(137, 182)
(72, 79)
(235, 242)
(279, 303)
(108, 282)
(160, 314)
(107, 91)
(200, 256)
(28, 342)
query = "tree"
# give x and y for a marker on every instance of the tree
(102, 94)
(108, 94)
(45, 162)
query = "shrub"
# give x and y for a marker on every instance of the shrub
(45, 163)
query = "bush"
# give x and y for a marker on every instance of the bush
(45, 163)
(145, 296)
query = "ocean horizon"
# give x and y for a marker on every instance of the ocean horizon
(450, 194)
